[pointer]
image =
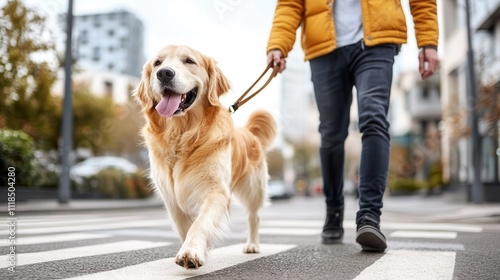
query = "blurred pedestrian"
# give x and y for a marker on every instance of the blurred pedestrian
(353, 43)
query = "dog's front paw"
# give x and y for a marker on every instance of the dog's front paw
(190, 259)
(251, 248)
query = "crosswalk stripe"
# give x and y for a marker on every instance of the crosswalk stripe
(54, 238)
(350, 224)
(166, 269)
(404, 264)
(289, 231)
(73, 221)
(424, 234)
(292, 223)
(83, 251)
(143, 233)
(431, 226)
(412, 245)
(232, 235)
(131, 224)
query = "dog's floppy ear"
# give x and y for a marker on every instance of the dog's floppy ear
(218, 84)
(141, 92)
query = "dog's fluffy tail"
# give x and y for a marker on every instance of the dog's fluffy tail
(262, 124)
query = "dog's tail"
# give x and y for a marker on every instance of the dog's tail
(262, 124)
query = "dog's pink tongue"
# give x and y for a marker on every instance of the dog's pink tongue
(169, 104)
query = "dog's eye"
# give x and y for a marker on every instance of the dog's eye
(157, 62)
(189, 61)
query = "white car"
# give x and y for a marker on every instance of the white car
(279, 189)
(92, 166)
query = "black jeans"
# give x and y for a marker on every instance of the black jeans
(369, 69)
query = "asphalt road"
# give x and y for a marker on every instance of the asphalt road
(425, 241)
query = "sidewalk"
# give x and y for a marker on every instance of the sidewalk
(86, 205)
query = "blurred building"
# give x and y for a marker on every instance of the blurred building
(456, 144)
(299, 115)
(415, 114)
(108, 42)
(117, 86)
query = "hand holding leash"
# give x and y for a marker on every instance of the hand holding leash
(277, 57)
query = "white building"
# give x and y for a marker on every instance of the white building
(117, 86)
(108, 42)
(299, 116)
(457, 148)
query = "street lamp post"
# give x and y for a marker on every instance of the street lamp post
(64, 192)
(477, 188)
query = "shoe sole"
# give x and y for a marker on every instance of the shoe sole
(370, 239)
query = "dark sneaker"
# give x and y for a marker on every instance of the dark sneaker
(369, 236)
(333, 232)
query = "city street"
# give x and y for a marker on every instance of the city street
(428, 238)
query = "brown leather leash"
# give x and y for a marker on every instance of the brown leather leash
(242, 100)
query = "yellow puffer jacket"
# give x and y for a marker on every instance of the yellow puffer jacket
(383, 22)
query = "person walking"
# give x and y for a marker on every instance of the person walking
(352, 43)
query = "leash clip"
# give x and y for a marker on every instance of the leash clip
(233, 107)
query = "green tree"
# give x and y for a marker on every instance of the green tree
(16, 151)
(94, 116)
(25, 78)
(127, 122)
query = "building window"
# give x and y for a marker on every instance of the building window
(111, 33)
(407, 102)
(110, 66)
(123, 42)
(82, 39)
(108, 88)
(96, 54)
(97, 21)
(425, 93)
(124, 18)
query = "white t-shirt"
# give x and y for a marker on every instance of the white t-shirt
(348, 22)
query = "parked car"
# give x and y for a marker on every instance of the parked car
(277, 189)
(92, 166)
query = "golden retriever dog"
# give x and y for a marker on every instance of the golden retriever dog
(198, 158)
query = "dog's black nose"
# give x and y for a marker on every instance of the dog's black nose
(165, 74)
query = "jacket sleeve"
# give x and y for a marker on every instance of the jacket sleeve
(424, 14)
(287, 18)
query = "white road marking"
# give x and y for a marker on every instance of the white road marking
(403, 264)
(132, 224)
(53, 238)
(145, 233)
(412, 245)
(431, 226)
(292, 223)
(166, 269)
(350, 224)
(424, 234)
(73, 221)
(289, 231)
(83, 251)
